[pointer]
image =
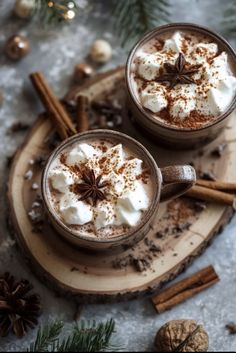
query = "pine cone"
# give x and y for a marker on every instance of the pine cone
(18, 311)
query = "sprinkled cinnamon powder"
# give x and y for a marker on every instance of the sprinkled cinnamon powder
(63, 158)
(196, 119)
(114, 164)
(159, 44)
(76, 169)
(144, 176)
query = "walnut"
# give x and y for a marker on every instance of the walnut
(182, 336)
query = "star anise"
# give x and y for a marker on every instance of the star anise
(180, 72)
(18, 310)
(90, 189)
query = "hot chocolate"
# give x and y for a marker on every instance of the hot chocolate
(99, 189)
(183, 79)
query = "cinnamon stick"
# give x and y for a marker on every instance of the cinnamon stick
(217, 185)
(57, 113)
(185, 289)
(206, 194)
(82, 113)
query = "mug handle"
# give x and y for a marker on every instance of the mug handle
(176, 180)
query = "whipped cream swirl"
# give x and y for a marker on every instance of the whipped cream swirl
(126, 189)
(215, 85)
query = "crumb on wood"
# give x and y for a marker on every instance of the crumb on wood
(219, 150)
(28, 175)
(17, 127)
(231, 327)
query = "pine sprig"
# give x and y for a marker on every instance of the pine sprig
(89, 338)
(85, 337)
(52, 12)
(229, 18)
(135, 17)
(47, 336)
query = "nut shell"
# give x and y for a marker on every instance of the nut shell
(183, 334)
(17, 47)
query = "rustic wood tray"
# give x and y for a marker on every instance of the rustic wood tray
(178, 236)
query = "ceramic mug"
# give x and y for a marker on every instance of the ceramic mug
(172, 136)
(168, 182)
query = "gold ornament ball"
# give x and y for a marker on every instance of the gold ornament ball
(24, 8)
(182, 336)
(82, 72)
(69, 15)
(17, 47)
(101, 51)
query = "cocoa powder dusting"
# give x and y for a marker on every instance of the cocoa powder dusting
(179, 217)
(159, 44)
(194, 120)
(63, 158)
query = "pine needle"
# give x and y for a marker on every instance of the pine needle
(85, 337)
(135, 17)
(229, 18)
(46, 336)
(52, 15)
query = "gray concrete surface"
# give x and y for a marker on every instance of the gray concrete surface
(55, 53)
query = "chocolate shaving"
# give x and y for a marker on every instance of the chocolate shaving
(141, 265)
(53, 140)
(219, 150)
(74, 269)
(40, 160)
(208, 175)
(160, 235)
(181, 227)
(199, 206)
(231, 327)
(28, 175)
(109, 111)
(36, 215)
(9, 159)
(152, 246)
(17, 127)
(120, 264)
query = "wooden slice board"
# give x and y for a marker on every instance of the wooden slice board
(143, 269)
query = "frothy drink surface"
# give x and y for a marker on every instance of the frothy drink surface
(123, 188)
(183, 79)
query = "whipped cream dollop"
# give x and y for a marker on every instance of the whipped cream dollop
(212, 93)
(125, 190)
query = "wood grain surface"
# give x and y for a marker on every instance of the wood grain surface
(100, 278)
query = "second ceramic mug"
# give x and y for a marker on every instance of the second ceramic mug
(167, 134)
(169, 182)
